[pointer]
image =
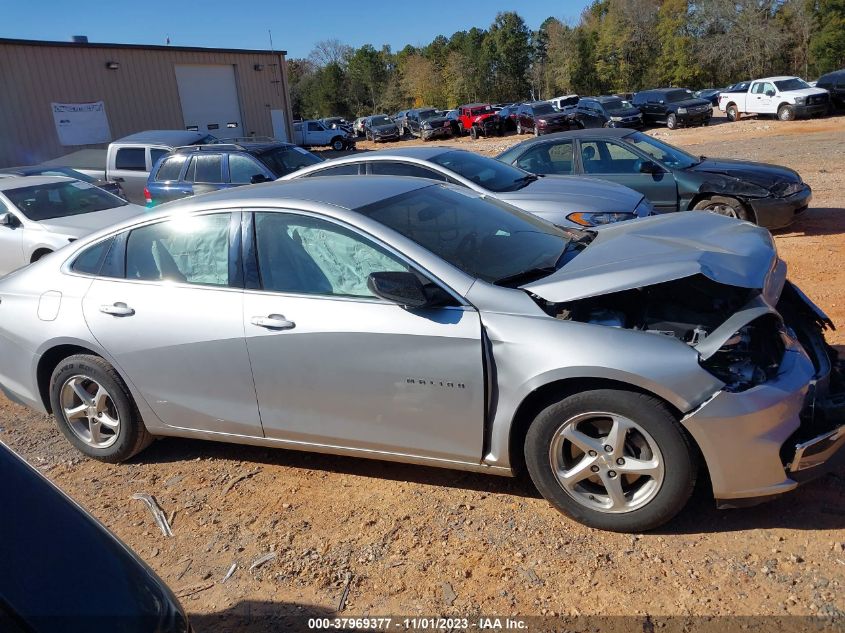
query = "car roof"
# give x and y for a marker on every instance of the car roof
(474, 105)
(663, 89)
(252, 148)
(777, 78)
(347, 192)
(168, 137)
(605, 98)
(14, 182)
(421, 152)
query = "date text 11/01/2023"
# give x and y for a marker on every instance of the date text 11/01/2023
(418, 624)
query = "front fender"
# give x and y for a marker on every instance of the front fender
(529, 353)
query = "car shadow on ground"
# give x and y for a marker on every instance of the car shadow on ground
(819, 505)
(255, 616)
(816, 221)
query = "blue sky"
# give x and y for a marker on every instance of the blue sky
(296, 24)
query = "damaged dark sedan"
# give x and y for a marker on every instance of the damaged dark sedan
(672, 179)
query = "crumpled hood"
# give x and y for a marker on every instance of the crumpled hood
(577, 193)
(85, 223)
(760, 174)
(663, 248)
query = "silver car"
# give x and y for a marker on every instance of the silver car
(564, 200)
(406, 320)
(41, 214)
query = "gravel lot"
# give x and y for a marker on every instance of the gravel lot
(412, 540)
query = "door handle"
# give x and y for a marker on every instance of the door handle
(273, 322)
(117, 309)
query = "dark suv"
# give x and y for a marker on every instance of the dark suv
(607, 111)
(540, 117)
(187, 171)
(834, 83)
(673, 106)
(427, 123)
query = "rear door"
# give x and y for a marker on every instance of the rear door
(619, 163)
(166, 182)
(205, 173)
(169, 310)
(336, 366)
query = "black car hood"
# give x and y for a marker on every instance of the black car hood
(691, 103)
(760, 174)
(435, 121)
(624, 112)
(385, 128)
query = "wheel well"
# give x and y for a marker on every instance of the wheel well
(38, 254)
(48, 362)
(553, 392)
(785, 103)
(704, 196)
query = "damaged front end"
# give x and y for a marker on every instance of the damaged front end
(779, 417)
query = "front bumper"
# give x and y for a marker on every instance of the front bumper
(437, 132)
(635, 123)
(695, 118)
(557, 126)
(767, 440)
(812, 110)
(777, 213)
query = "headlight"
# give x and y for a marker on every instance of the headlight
(542, 123)
(586, 218)
(644, 209)
(682, 110)
(616, 118)
(427, 126)
(800, 100)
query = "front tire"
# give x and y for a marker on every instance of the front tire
(611, 459)
(519, 130)
(337, 144)
(672, 122)
(473, 132)
(786, 112)
(95, 411)
(723, 205)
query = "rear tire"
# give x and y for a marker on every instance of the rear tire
(473, 132)
(723, 205)
(95, 411)
(732, 113)
(647, 439)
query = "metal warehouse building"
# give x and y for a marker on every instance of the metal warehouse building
(59, 97)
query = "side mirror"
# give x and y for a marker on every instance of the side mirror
(647, 167)
(7, 219)
(404, 288)
(258, 178)
(770, 93)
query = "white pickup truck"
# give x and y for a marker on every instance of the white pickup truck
(317, 134)
(786, 97)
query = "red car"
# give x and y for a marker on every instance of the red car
(479, 119)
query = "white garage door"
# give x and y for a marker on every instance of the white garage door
(209, 99)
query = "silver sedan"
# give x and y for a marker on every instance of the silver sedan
(573, 201)
(401, 319)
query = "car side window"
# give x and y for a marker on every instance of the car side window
(602, 157)
(305, 255)
(155, 154)
(170, 168)
(350, 169)
(90, 260)
(767, 87)
(130, 159)
(548, 158)
(314, 127)
(242, 169)
(387, 168)
(191, 249)
(205, 168)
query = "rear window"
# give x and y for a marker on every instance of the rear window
(170, 168)
(130, 159)
(61, 199)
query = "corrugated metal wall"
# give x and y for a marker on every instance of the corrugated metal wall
(140, 95)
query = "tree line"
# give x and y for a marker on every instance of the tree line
(616, 46)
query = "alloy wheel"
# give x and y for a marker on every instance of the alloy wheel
(606, 462)
(90, 411)
(723, 209)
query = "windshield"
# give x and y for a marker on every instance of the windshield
(544, 108)
(678, 95)
(485, 172)
(427, 114)
(63, 171)
(792, 84)
(484, 110)
(61, 200)
(380, 120)
(487, 239)
(284, 160)
(662, 152)
(616, 104)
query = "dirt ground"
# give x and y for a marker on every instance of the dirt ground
(407, 540)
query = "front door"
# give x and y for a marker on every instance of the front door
(612, 161)
(172, 319)
(336, 366)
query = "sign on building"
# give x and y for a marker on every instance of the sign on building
(81, 123)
